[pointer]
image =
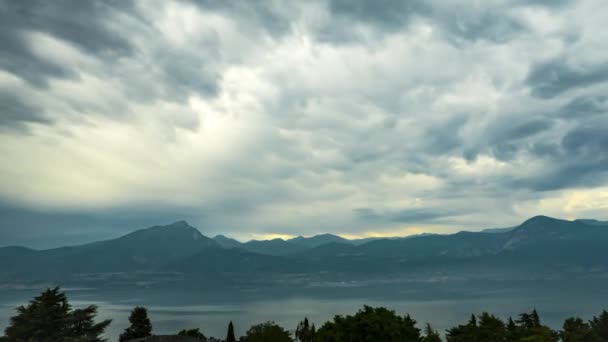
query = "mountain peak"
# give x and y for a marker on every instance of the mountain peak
(179, 224)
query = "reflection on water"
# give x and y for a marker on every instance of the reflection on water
(213, 314)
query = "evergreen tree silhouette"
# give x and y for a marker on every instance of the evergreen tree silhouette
(140, 325)
(230, 335)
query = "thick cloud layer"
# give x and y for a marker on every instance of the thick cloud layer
(260, 118)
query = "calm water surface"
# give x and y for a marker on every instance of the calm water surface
(172, 311)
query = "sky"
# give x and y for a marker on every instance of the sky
(259, 119)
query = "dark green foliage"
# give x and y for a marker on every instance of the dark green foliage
(304, 332)
(430, 334)
(599, 326)
(369, 324)
(267, 332)
(230, 335)
(194, 333)
(530, 329)
(49, 318)
(576, 330)
(140, 325)
(463, 333)
(512, 330)
(489, 328)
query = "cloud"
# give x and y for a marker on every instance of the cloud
(257, 118)
(552, 78)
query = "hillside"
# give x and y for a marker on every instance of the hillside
(540, 242)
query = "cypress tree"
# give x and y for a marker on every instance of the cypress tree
(230, 336)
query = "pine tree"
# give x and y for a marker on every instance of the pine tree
(599, 326)
(230, 335)
(535, 318)
(512, 331)
(304, 332)
(575, 330)
(430, 334)
(464, 333)
(140, 325)
(49, 318)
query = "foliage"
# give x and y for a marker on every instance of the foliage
(230, 335)
(305, 332)
(370, 324)
(140, 325)
(489, 328)
(463, 333)
(267, 332)
(195, 333)
(576, 330)
(430, 334)
(599, 326)
(49, 317)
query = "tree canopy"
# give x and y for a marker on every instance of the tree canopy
(140, 325)
(50, 318)
(194, 333)
(370, 324)
(267, 332)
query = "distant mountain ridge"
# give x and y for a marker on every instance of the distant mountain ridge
(540, 241)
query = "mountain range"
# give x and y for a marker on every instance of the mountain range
(540, 244)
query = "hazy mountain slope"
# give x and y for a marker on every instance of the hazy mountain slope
(593, 222)
(539, 243)
(318, 240)
(227, 242)
(272, 247)
(144, 249)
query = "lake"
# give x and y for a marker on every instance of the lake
(172, 310)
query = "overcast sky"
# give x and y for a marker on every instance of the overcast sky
(260, 118)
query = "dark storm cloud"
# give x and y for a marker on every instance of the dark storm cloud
(81, 23)
(404, 216)
(386, 16)
(585, 105)
(581, 159)
(551, 78)
(15, 111)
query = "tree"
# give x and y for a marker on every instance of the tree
(370, 324)
(48, 317)
(575, 330)
(194, 333)
(304, 332)
(599, 326)
(230, 335)
(491, 329)
(140, 325)
(267, 332)
(430, 334)
(463, 333)
(513, 331)
(531, 330)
